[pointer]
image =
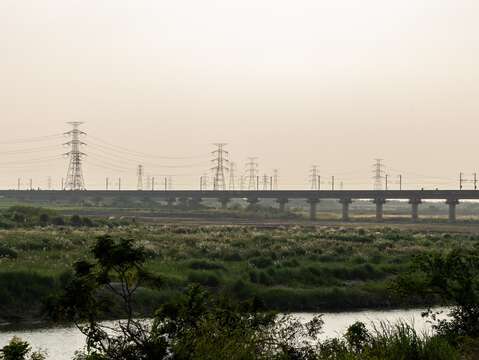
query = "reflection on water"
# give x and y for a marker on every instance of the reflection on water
(62, 342)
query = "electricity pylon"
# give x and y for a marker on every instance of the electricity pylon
(265, 182)
(275, 179)
(252, 171)
(231, 185)
(221, 161)
(74, 180)
(378, 171)
(139, 173)
(314, 178)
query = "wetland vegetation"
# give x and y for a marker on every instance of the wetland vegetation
(289, 268)
(215, 291)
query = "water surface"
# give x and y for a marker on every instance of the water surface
(62, 342)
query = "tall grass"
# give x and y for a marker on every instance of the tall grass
(289, 268)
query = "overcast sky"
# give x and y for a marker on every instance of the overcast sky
(294, 83)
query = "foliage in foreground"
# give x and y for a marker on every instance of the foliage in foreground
(453, 277)
(17, 349)
(200, 325)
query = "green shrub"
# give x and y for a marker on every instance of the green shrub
(76, 221)
(261, 262)
(232, 256)
(86, 221)
(6, 252)
(58, 221)
(6, 223)
(204, 278)
(44, 219)
(205, 265)
(22, 293)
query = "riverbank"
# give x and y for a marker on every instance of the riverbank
(61, 342)
(289, 268)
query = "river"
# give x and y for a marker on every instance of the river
(62, 342)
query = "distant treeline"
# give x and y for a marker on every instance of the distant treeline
(29, 216)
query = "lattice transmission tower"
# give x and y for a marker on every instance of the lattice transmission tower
(74, 180)
(314, 178)
(266, 184)
(231, 185)
(275, 179)
(204, 182)
(252, 173)
(221, 166)
(149, 182)
(140, 173)
(378, 174)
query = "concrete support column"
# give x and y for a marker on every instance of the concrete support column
(379, 208)
(345, 213)
(224, 202)
(452, 209)
(415, 208)
(183, 202)
(170, 202)
(252, 201)
(195, 202)
(282, 204)
(313, 205)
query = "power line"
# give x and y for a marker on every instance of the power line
(133, 152)
(32, 139)
(119, 157)
(30, 150)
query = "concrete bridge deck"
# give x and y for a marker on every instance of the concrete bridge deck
(313, 197)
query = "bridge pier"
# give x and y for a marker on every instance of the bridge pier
(345, 210)
(313, 205)
(379, 208)
(224, 202)
(195, 202)
(452, 209)
(170, 202)
(415, 208)
(252, 201)
(282, 204)
(183, 202)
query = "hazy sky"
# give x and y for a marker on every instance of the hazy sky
(295, 83)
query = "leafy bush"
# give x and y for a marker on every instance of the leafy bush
(58, 220)
(204, 278)
(6, 252)
(76, 221)
(205, 265)
(17, 349)
(261, 262)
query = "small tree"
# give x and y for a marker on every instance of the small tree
(196, 326)
(453, 280)
(76, 221)
(17, 349)
(97, 288)
(44, 218)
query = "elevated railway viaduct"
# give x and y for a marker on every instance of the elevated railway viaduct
(345, 197)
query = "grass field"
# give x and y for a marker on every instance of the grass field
(291, 268)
